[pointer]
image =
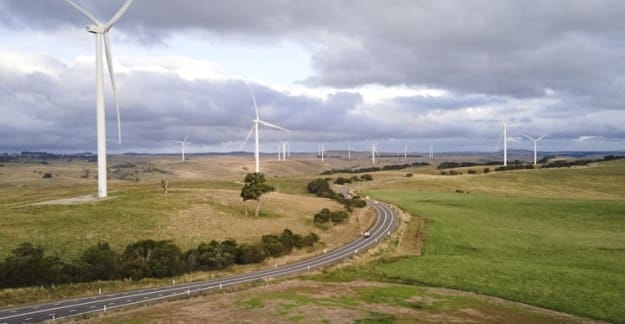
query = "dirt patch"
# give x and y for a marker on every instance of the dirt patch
(91, 198)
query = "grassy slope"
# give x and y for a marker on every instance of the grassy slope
(191, 213)
(564, 254)
(313, 302)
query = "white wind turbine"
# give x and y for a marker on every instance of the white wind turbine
(405, 152)
(374, 151)
(284, 150)
(254, 128)
(535, 140)
(101, 32)
(349, 151)
(183, 144)
(504, 135)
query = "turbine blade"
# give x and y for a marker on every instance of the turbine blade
(528, 137)
(248, 136)
(84, 12)
(272, 125)
(499, 141)
(109, 62)
(117, 15)
(540, 138)
(186, 138)
(255, 106)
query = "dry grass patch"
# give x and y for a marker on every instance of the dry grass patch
(314, 302)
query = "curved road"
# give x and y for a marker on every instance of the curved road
(386, 222)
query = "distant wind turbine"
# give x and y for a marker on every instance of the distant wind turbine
(255, 129)
(405, 152)
(349, 151)
(182, 146)
(431, 151)
(504, 135)
(535, 140)
(374, 151)
(101, 32)
(284, 150)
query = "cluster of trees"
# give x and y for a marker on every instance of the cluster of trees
(325, 215)
(568, 164)
(375, 169)
(321, 188)
(453, 165)
(515, 165)
(29, 266)
(344, 180)
(451, 172)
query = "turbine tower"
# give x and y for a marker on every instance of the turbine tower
(101, 32)
(254, 129)
(183, 145)
(284, 148)
(349, 151)
(374, 151)
(405, 152)
(535, 140)
(504, 135)
(431, 151)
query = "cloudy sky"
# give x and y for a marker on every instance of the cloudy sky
(396, 72)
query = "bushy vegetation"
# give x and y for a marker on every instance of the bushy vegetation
(29, 266)
(343, 180)
(375, 169)
(325, 215)
(515, 165)
(452, 165)
(321, 188)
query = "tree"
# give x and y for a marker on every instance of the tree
(100, 262)
(27, 266)
(254, 188)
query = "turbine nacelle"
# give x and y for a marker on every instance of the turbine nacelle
(95, 29)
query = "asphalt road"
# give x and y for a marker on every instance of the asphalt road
(386, 222)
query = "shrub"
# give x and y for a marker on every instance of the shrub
(250, 254)
(471, 171)
(339, 216)
(323, 216)
(326, 215)
(273, 246)
(486, 170)
(47, 175)
(342, 180)
(408, 175)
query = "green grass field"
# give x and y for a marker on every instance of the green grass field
(560, 253)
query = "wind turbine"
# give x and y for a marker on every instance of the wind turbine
(374, 151)
(535, 140)
(431, 151)
(101, 32)
(349, 151)
(284, 149)
(405, 152)
(504, 135)
(183, 145)
(254, 128)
